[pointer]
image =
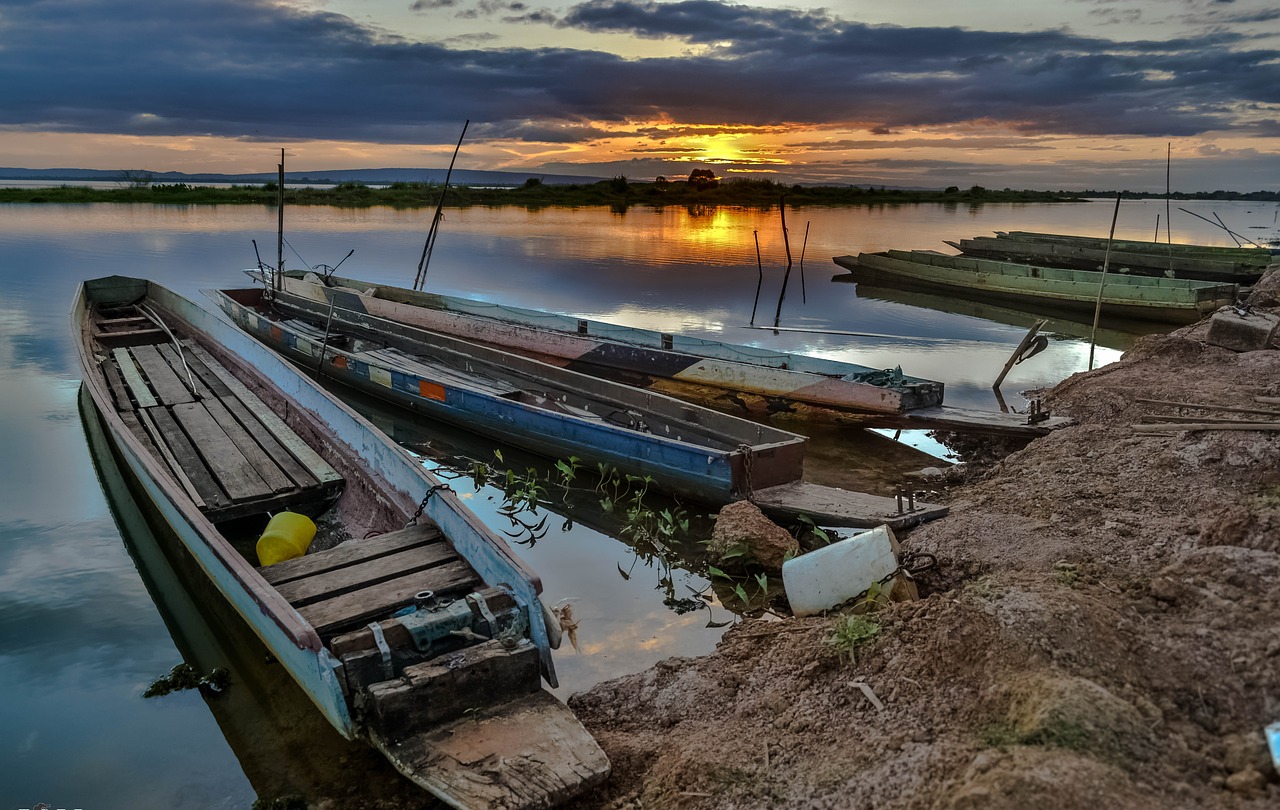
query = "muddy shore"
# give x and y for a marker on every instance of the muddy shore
(1103, 629)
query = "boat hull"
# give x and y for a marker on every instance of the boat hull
(1157, 299)
(713, 373)
(763, 456)
(280, 627)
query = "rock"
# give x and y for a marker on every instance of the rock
(1266, 293)
(1247, 783)
(742, 527)
(1242, 331)
(1246, 752)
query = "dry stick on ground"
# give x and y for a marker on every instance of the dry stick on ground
(1224, 408)
(1180, 426)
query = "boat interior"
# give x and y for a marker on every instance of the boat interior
(240, 462)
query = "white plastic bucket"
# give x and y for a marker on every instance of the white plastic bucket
(824, 578)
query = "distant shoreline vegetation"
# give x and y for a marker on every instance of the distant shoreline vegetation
(700, 189)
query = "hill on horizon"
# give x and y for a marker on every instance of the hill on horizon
(468, 177)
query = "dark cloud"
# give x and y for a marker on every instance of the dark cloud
(258, 70)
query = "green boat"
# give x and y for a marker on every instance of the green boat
(1127, 296)
(1220, 264)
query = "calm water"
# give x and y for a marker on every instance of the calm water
(80, 634)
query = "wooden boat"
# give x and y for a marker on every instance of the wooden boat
(1249, 256)
(687, 450)
(411, 625)
(1145, 298)
(709, 372)
(1223, 265)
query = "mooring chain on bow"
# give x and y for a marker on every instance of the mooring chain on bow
(747, 460)
(413, 521)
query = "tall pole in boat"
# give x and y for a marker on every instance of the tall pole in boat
(1106, 262)
(1168, 232)
(421, 278)
(279, 282)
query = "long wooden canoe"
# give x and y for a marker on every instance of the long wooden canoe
(216, 433)
(685, 449)
(709, 372)
(1222, 265)
(1141, 297)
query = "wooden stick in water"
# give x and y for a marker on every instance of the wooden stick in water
(1106, 262)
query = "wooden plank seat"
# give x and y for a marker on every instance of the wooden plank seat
(361, 581)
(232, 455)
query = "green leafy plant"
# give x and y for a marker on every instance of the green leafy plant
(850, 633)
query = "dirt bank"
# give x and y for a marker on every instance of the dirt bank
(1103, 630)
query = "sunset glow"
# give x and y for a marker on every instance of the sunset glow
(919, 93)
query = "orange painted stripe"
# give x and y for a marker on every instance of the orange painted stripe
(431, 390)
(340, 361)
(276, 334)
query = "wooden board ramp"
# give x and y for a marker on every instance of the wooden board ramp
(829, 506)
(220, 442)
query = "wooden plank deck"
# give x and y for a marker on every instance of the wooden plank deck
(362, 580)
(201, 422)
(828, 506)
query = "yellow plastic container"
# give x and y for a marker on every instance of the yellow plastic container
(287, 536)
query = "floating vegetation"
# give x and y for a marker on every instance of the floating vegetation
(184, 676)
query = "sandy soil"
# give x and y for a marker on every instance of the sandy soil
(1103, 629)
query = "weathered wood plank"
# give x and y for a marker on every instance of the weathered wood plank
(128, 337)
(170, 354)
(350, 553)
(531, 752)
(229, 466)
(185, 457)
(169, 389)
(115, 382)
(310, 459)
(202, 372)
(366, 574)
(360, 607)
(445, 688)
(268, 470)
(267, 440)
(829, 506)
(133, 378)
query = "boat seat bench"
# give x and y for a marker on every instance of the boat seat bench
(360, 581)
(232, 455)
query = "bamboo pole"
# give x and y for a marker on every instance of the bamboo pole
(804, 298)
(279, 281)
(1106, 262)
(782, 209)
(421, 278)
(760, 280)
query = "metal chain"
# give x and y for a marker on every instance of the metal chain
(908, 567)
(747, 460)
(413, 521)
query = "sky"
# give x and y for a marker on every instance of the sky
(1069, 94)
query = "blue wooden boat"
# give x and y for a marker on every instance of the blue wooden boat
(739, 378)
(409, 624)
(686, 450)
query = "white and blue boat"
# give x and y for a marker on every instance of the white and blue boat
(409, 623)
